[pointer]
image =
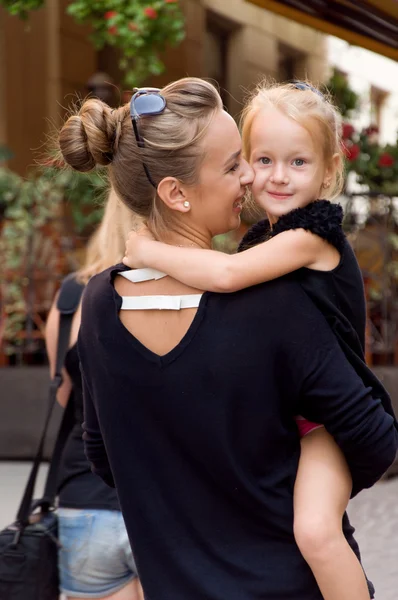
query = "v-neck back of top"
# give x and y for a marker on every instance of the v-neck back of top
(202, 442)
(155, 302)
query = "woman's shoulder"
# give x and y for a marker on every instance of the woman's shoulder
(105, 278)
(69, 295)
(322, 218)
(99, 290)
(280, 299)
(283, 308)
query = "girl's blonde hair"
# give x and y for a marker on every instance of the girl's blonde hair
(106, 246)
(307, 107)
(97, 135)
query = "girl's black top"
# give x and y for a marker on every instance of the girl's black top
(202, 443)
(78, 487)
(339, 294)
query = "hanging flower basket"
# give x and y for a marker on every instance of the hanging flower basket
(140, 29)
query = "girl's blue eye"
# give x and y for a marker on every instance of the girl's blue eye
(298, 162)
(265, 160)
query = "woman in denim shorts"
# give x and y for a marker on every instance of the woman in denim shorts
(95, 558)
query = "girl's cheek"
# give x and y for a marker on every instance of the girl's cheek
(255, 171)
(258, 178)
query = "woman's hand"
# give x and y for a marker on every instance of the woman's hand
(135, 248)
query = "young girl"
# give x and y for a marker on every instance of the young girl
(291, 136)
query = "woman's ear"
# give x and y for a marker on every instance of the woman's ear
(173, 194)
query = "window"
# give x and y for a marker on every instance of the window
(377, 100)
(218, 36)
(291, 63)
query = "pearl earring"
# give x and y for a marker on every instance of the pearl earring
(186, 204)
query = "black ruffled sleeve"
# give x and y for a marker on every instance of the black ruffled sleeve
(260, 232)
(323, 218)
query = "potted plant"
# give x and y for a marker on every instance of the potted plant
(35, 240)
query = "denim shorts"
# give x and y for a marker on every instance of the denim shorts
(95, 558)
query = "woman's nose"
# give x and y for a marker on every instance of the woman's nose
(247, 174)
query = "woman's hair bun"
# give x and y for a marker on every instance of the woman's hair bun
(87, 139)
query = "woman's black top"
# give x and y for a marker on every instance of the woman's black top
(202, 443)
(78, 487)
(339, 293)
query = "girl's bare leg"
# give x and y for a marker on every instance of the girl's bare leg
(321, 495)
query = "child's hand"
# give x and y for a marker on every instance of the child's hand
(135, 245)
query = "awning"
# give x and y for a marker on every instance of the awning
(372, 24)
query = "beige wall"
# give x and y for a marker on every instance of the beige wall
(23, 86)
(3, 130)
(254, 45)
(42, 61)
(187, 60)
(77, 57)
(45, 65)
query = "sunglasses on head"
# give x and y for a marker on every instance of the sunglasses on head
(146, 102)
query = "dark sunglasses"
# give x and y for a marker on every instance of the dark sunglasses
(301, 85)
(145, 102)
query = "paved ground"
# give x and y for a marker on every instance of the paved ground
(374, 514)
(13, 477)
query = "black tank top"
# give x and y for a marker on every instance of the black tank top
(78, 486)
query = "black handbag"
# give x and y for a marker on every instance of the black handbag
(29, 547)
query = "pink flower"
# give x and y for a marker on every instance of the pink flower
(348, 131)
(110, 14)
(386, 160)
(170, 1)
(150, 12)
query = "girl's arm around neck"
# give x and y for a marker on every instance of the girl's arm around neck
(218, 272)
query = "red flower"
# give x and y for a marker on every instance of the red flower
(170, 1)
(110, 14)
(113, 30)
(352, 152)
(386, 160)
(133, 26)
(348, 131)
(150, 12)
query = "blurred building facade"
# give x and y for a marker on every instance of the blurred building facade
(46, 62)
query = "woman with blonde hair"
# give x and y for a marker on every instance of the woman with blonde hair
(106, 245)
(95, 558)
